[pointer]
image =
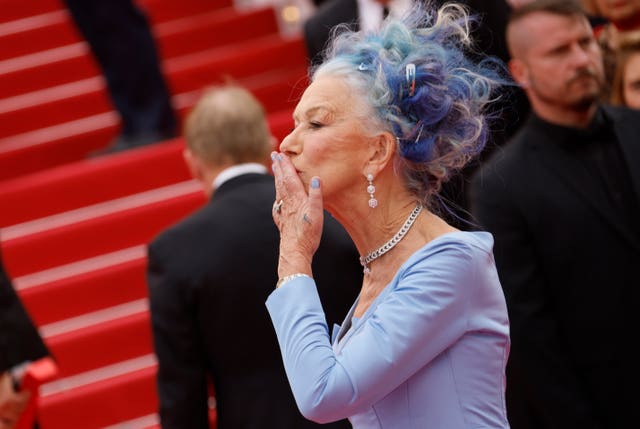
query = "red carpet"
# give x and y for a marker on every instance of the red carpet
(74, 230)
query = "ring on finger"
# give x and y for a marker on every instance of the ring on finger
(277, 206)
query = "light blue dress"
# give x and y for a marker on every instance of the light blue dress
(429, 353)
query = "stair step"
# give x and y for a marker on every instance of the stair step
(57, 145)
(13, 10)
(53, 105)
(83, 183)
(40, 70)
(95, 230)
(85, 286)
(36, 33)
(101, 397)
(101, 338)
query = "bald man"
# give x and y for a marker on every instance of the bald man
(563, 203)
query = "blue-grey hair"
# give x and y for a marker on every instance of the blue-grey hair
(440, 125)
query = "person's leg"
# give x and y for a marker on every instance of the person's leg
(120, 38)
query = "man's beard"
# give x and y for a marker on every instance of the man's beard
(579, 104)
(586, 101)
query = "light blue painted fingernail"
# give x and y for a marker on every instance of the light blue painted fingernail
(279, 156)
(315, 183)
(273, 157)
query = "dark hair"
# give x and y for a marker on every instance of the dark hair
(556, 7)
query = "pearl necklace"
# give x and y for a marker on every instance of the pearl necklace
(366, 260)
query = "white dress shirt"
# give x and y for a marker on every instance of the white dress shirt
(237, 170)
(371, 12)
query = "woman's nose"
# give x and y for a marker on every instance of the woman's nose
(290, 144)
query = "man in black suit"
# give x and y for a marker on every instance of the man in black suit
(20, 344)
(562, 201)
(209, 277)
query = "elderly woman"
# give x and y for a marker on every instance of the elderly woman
(389, 116)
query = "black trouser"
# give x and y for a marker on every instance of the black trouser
(120, 38)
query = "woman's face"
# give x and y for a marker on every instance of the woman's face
(631, 81)
(618, 10)
(329, 139)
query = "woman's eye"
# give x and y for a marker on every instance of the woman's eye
(315, 125)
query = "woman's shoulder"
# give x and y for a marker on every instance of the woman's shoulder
(449, 264)
(480, 240)
(451, 251)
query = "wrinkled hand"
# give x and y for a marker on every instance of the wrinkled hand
(299, 217)
(12, 403)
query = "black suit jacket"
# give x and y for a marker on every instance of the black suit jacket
(209, 277)
(569, 268)
(317, 28)
(19, 339)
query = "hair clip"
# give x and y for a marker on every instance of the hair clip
(419, 134)
(410, 77)
(363, 67)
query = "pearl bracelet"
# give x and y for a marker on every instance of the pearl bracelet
(290, 277)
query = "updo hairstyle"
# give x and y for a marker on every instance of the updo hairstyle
(417, 76)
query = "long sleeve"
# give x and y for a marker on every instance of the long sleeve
(424, 311)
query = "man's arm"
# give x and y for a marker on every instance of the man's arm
(181, 378)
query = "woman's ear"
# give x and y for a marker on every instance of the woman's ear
(383, 147)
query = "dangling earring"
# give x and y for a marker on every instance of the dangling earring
(373, 203)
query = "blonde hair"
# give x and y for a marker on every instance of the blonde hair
(228, 124)
(628, 47)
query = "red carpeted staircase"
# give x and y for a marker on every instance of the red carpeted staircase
(74, 230)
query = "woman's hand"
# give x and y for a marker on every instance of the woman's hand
(298, 215)
(12, 403)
